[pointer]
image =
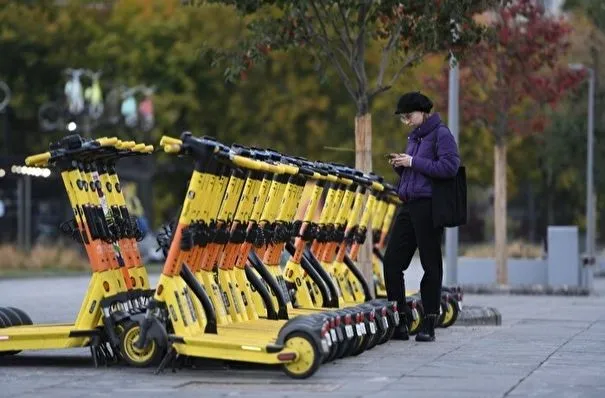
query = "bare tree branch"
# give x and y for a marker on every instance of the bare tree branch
(344, 39)
(345, 22)
(386, 52)
(325, 45)
(358, 55)
(408, 61)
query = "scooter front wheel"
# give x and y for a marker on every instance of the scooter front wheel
(308, 358)
(151, 354)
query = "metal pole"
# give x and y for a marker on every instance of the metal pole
(4, 114)
(20, 212)
(28, 213)
(590, 218)
(451, 234)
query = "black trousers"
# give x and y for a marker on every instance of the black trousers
(413, 229)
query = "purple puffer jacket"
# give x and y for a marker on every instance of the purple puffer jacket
(415, 181)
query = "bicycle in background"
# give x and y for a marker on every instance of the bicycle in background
(74, 91)
(94, 95)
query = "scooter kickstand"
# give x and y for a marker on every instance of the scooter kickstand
(168, 358)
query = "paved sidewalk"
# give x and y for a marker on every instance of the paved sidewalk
(546, 347)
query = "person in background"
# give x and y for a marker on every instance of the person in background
(431, 152)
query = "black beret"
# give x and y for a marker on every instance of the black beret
(413, 101)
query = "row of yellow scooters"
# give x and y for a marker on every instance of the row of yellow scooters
(260, 263)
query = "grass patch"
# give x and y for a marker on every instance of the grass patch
(57, 257)
(516, 249)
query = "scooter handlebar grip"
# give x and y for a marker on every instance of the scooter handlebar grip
(172, 148)
(129, 145)
(38, 159)
(273, 168)
(377, 186)
(105, 141)
(247, 163)
(345, 180)
(289, 169)
(166, 140)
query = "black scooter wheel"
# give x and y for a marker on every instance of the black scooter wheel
(25, 319)
(140, 358)
(343, 346)
(390, 330)
(330, 356)
(308, 357)
(356, 342)
(362, 346)
(9, 317)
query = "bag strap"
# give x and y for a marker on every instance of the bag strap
(435, 143)
(436, 139)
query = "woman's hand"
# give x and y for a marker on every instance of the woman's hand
(401, 159)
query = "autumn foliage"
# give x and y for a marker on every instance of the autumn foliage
(517, 71)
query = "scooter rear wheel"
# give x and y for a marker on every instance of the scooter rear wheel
(24, 318)
(442, 314)
(416, 324)
(10, 316)
(308, 357)
(451, 313)
(140, 358)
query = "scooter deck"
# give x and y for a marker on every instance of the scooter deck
(263, 329)
(40, 337)
(217, 346)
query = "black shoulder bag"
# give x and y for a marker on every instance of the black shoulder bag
(449, 197)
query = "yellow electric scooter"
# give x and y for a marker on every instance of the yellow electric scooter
(106, 303)
(181, 311)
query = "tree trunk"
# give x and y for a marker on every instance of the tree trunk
(550, 202)
(531, 204)
(363, 162)
(500, 212)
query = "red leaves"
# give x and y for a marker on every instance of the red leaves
(264, 48)
(517, 72)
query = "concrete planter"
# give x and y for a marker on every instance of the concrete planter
(482, 271)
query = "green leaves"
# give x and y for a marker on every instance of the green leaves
(338, 34)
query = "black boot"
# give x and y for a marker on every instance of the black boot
(427, 333)
(402, 330)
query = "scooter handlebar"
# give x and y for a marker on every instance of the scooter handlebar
(38, 159)
(246, 163)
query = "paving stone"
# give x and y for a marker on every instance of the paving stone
(545, 346)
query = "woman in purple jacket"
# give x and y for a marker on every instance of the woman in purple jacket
(431, 152)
